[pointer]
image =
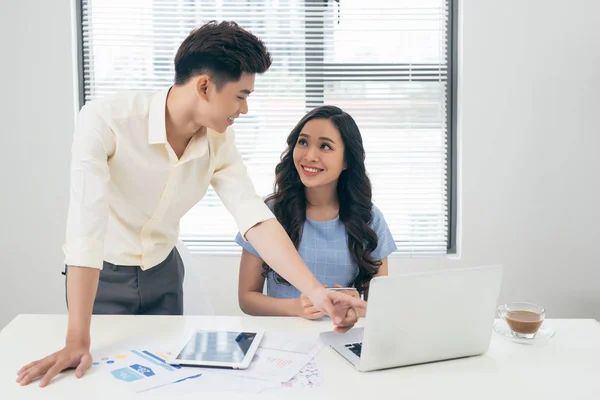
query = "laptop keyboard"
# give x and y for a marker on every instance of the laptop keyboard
(356, 348)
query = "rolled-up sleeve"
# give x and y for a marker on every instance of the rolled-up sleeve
(236, 190)
(87, 216)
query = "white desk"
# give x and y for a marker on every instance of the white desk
(568, 367)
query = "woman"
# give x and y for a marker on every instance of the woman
(323, 200)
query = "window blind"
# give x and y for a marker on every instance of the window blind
(384, 62)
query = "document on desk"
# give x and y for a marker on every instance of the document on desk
(281, 359)
(309, 377)
(137, 369)
(210, 382)
(280, 356)
(214, 382)
(284, 362)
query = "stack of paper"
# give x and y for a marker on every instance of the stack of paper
(282, 360)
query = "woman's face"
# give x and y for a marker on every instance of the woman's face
(319, 153)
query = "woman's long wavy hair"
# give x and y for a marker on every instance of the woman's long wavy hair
(353, 190)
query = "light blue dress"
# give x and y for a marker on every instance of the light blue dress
(324, 249)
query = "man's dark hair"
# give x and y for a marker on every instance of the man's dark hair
(222, 50)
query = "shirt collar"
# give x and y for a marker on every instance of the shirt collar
(157, 127)
(197, 146)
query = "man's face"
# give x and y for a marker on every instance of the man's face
(223, 106)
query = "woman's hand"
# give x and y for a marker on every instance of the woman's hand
(342, 308)
(306, 309)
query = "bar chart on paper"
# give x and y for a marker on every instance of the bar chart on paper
(279, 362)
(273, 365)
(138, 370)
(279, 357)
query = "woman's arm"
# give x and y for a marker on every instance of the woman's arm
(383, 271)
(250, 290)
(383, 268)
(252, 300)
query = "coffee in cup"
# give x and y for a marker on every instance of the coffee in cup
(523, 319)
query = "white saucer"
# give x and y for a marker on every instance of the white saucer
(543, 335)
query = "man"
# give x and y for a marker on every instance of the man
(140, 161)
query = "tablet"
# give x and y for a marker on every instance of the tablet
(224, 349)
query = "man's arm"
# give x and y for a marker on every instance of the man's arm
(86, 224)
(82, 285)
(93, 143)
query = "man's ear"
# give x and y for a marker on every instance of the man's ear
(202, 86)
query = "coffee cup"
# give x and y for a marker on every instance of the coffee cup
(523, 319)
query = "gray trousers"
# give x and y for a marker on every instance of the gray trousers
(130, 290)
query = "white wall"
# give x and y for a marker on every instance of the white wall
(529, 140)
(36, 116)
(530, 136)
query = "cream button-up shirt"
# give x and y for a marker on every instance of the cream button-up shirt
(129, 190)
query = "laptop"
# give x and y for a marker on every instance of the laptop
(423, 317)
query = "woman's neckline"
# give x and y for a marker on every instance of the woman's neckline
(337, 217)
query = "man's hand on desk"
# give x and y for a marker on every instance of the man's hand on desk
(342, 308)
(74, 355)
(82, 283)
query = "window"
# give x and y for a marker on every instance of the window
(388, 63)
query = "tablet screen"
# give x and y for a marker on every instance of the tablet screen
(223, 346)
